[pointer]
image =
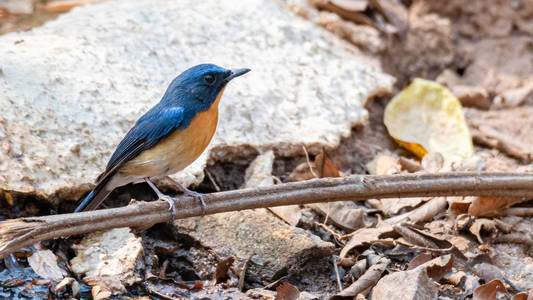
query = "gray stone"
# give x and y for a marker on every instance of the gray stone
(406, 285)
(273, 247)
(72, 88)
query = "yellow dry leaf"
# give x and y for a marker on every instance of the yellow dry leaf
(9, 198)
(415, 148)
(427, 117)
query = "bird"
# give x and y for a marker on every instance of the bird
(168, 137)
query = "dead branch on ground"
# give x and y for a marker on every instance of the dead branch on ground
(19, 233)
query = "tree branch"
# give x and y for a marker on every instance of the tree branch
(19, 233)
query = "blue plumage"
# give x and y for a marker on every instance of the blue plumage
(145, 134)
(189, 94)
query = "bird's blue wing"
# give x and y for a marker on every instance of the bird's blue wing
(145, 134)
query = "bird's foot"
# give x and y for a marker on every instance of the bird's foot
(161, 196)
(170, 201)
(197, 196)
(187, 192)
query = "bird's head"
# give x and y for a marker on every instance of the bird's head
(200, 85)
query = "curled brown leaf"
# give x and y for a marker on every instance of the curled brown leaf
(287, 291)
(365, 282)
(221, 271)
(489, 290)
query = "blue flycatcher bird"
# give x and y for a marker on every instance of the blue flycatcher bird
(169, 137)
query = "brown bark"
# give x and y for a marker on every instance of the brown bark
(18, 233)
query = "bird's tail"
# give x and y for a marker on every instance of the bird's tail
(95, 197)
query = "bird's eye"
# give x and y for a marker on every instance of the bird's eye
(209, 79)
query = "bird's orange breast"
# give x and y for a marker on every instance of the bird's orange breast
(179, 149)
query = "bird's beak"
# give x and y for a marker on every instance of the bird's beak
(236, 73)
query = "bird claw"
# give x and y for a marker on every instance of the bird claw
(190, 193)
(197, 196)
(170, 201)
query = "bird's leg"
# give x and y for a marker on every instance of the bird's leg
(162, 196)
(188, 192)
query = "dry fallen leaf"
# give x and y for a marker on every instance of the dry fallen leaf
(346, 215)
(287, 291)
(520, 296)
(456, 278)
(416, 236)
(44, 263)
(489, 290)
(491, 206)
(418, 260)
(61, 6)
(433, 162)
(288, 213)
(302, 172)
(368, 236)
(482, 224)
(75, 286)
(103, 287)
(514, 97)
(350, 12)
(221, 271)
(472, 96)
(325, 166)
(359, 268)
(392, 206)
(351, 5)
(395, 13)
(9, 198)
(425, 212)
(410, 165)
(460, 205)
(461, 243)
(427, 117)
(438, 267)
(366, 281)
(428, 210)
(508, 130)
(322, 167)
(384, 164)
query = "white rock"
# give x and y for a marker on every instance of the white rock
(18, 6)
(72, 88)
(44, 263)
(259, 172)
(114, 253)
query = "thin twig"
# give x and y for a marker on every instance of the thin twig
(309, 162)
(213, 181)
(19, 233)
(518, 211)
(242, 274)
(336, 267)
(336, 235)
